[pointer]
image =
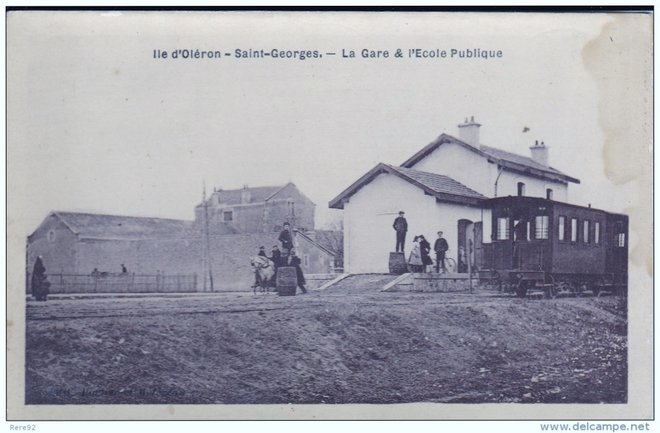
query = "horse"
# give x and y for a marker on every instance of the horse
(264, 269)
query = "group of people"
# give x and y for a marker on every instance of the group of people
(285, 257)
(420, 256)
(97, 274)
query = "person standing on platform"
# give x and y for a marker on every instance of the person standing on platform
(440, 247)
(425, 250)
(401, 227)
(415, 259)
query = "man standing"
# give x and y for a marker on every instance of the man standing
(401, 227)
(294, 261)
(286, 239)
(440, 247)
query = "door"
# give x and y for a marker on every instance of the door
(478, 247)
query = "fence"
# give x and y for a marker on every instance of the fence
(119, 283)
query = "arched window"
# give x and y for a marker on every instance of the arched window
(521, 189)
(548, 193)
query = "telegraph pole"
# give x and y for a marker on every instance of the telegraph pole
(207, 242)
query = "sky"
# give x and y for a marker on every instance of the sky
(96, 123)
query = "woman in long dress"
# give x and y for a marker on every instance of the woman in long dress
(415, 259)
(425, 250)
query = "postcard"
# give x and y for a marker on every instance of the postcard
(242, 215)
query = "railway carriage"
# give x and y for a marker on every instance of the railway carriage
(550, 248)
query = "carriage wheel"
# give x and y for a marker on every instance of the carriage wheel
(551, 291)
(450, 265)
(497, 281)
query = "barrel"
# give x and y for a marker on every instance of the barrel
(398, 263)
(287, 281)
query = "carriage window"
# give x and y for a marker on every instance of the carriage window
(585, 231)
(541, 227)
(548, 194)
(561, 230)
(596, 232)
(502, 229)
(620, 240)
(574, 230)
(228, 216)
(521, 230)
(521, 189)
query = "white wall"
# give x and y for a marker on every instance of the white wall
(508, 185)
(370, 213)
(461, 164)
(474, 171)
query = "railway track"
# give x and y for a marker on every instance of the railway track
(73, 309)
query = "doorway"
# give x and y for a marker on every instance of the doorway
(469, 253)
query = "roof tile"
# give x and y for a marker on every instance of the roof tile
(438, 183)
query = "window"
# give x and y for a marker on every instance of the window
(561, 229)
(529, 229)
(541, 227)
(228, 216)
(51, 236)
(521, 189)
(306, 260)
(620, 240)
(596, 233)
(548, 193)
(574, 229)
(520, 231)
(585, 231)
(502, 229)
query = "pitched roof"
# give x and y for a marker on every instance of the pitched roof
(507, 160)
(88, 225)
(526, 161)
(443, 188)
(257, 194)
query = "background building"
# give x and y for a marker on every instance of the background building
(239, 222)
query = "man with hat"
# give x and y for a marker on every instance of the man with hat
(286, 239)
(401, 227)
(440, 247)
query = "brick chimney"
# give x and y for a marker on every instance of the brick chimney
(245, 195)
(540, 153)
(468, 132)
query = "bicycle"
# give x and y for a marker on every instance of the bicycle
(450, 265)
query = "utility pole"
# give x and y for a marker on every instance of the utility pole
(207, 242)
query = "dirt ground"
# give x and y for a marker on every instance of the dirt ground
(349, 345)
